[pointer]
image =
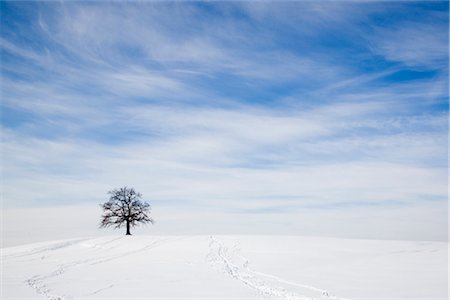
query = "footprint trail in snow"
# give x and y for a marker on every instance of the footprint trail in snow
(231, 262)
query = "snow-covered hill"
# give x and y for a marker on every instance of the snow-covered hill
(225, 267)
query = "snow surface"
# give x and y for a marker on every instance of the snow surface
(225, 267)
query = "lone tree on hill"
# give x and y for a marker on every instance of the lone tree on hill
(125, 207)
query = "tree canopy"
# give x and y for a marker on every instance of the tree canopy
(125, 207)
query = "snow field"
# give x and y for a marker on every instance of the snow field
(225, 267)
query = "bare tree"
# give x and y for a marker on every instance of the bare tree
(125, 207)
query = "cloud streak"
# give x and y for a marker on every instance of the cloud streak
(209, 107)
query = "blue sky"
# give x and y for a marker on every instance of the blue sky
(260, 110)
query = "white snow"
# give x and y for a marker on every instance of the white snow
(225, 267)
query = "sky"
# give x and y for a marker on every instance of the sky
(314, 118)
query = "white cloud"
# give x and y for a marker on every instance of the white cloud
(416, 45)
(206, 155)
(131, 97)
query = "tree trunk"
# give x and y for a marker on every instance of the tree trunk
(128, 228)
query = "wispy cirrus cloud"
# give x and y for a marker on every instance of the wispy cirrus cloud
(416, 45)
(243, 108)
